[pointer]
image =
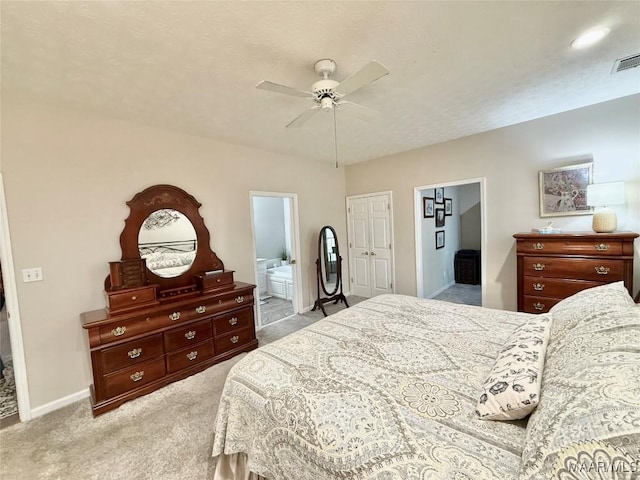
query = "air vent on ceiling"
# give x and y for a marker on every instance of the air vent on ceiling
(626, 63)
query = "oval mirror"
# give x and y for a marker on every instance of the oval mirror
(167, 241)
(329, 266)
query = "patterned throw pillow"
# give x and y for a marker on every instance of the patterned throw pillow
(587, 424)
(512, 388)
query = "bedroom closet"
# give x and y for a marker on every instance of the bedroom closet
(275, 233)
(449, 241)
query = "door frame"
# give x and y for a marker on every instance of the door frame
(13, 312)
(296, 301)
(391, 235)
(417, 209)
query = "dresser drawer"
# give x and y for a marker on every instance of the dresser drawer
(221, 304)
(136, 326)
(133, 377)
(233, 321)
(571, 247)
(131, 353)
(232, 340)
(534, 304)
(189, 356)
(599, 270)
(188, 335)
(131, 298)
(555, 287)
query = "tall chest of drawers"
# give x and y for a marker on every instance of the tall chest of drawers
(138, 351)
(552, 267)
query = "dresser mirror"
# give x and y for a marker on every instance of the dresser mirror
(165, 228)
(329, 270)
(168, 243)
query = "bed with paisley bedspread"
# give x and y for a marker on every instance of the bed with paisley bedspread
(390, 389)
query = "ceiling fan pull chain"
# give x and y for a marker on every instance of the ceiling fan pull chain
(335, 135)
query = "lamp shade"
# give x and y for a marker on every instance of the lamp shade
(602, 194)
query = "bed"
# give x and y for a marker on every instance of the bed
(392, 388)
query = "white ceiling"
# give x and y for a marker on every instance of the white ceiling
(457, 68)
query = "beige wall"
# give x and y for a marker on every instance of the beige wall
(67, 177)
(510, 158)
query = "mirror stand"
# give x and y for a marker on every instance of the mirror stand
(338, 297)
(329, 270)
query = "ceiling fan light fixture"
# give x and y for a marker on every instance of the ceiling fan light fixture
(326, 103)
(590, 37)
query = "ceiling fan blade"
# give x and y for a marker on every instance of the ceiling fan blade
(359, 111)
(303, 117)
(367, 74)
(276, 87)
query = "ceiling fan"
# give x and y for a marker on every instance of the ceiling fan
(328, 94)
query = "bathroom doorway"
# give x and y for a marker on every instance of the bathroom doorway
(274, 221)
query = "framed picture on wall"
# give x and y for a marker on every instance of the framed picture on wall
(439, 217)
(448, 207)
(439, 239)
(563, 191)
(440, 195)
(427, 207)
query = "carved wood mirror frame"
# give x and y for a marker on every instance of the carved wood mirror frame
(160, 197)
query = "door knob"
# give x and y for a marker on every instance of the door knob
(373, 253)
(365, 253)
(292, 262)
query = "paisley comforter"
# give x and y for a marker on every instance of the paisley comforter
(386, 389)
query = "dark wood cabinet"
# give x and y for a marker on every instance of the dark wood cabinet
(138, 351)
(552, 267)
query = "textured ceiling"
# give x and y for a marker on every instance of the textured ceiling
(457, 68)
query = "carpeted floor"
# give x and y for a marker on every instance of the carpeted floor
(462, 293)
(166, 435)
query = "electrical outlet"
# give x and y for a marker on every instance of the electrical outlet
(32, 274)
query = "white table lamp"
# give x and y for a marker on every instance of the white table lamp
(601, 195)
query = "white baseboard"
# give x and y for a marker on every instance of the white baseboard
(440, 290)
(57, 404)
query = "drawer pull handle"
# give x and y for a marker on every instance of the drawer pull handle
(233, 321)
(538, 286)
(118, 331)
(602, 247)
(219, 302)
(218, 280)
(135, 353)
(190, 335)
(192, 355)
(538, 306)
(602, 270)
(134, 298)
(240, 299)
(201, 309)
(136, 377)
(538, 266)
(235, 339)
(538, 246)
(174, 316)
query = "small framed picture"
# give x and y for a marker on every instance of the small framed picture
(448, 207)
(440, 195)
(439, 217)
(563, 191)
(427, 207)
(439, 239)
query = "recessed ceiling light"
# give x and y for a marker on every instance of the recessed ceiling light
(590, 37)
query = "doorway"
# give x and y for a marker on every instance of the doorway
(370, 236)
(274, 221)
(450, 241)
(11, 312)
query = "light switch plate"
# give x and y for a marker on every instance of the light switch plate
(32, 274)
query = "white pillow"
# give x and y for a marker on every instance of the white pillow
(512, 389)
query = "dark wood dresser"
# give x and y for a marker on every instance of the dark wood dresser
(136, 352)
(552, 267)
(172, 308)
